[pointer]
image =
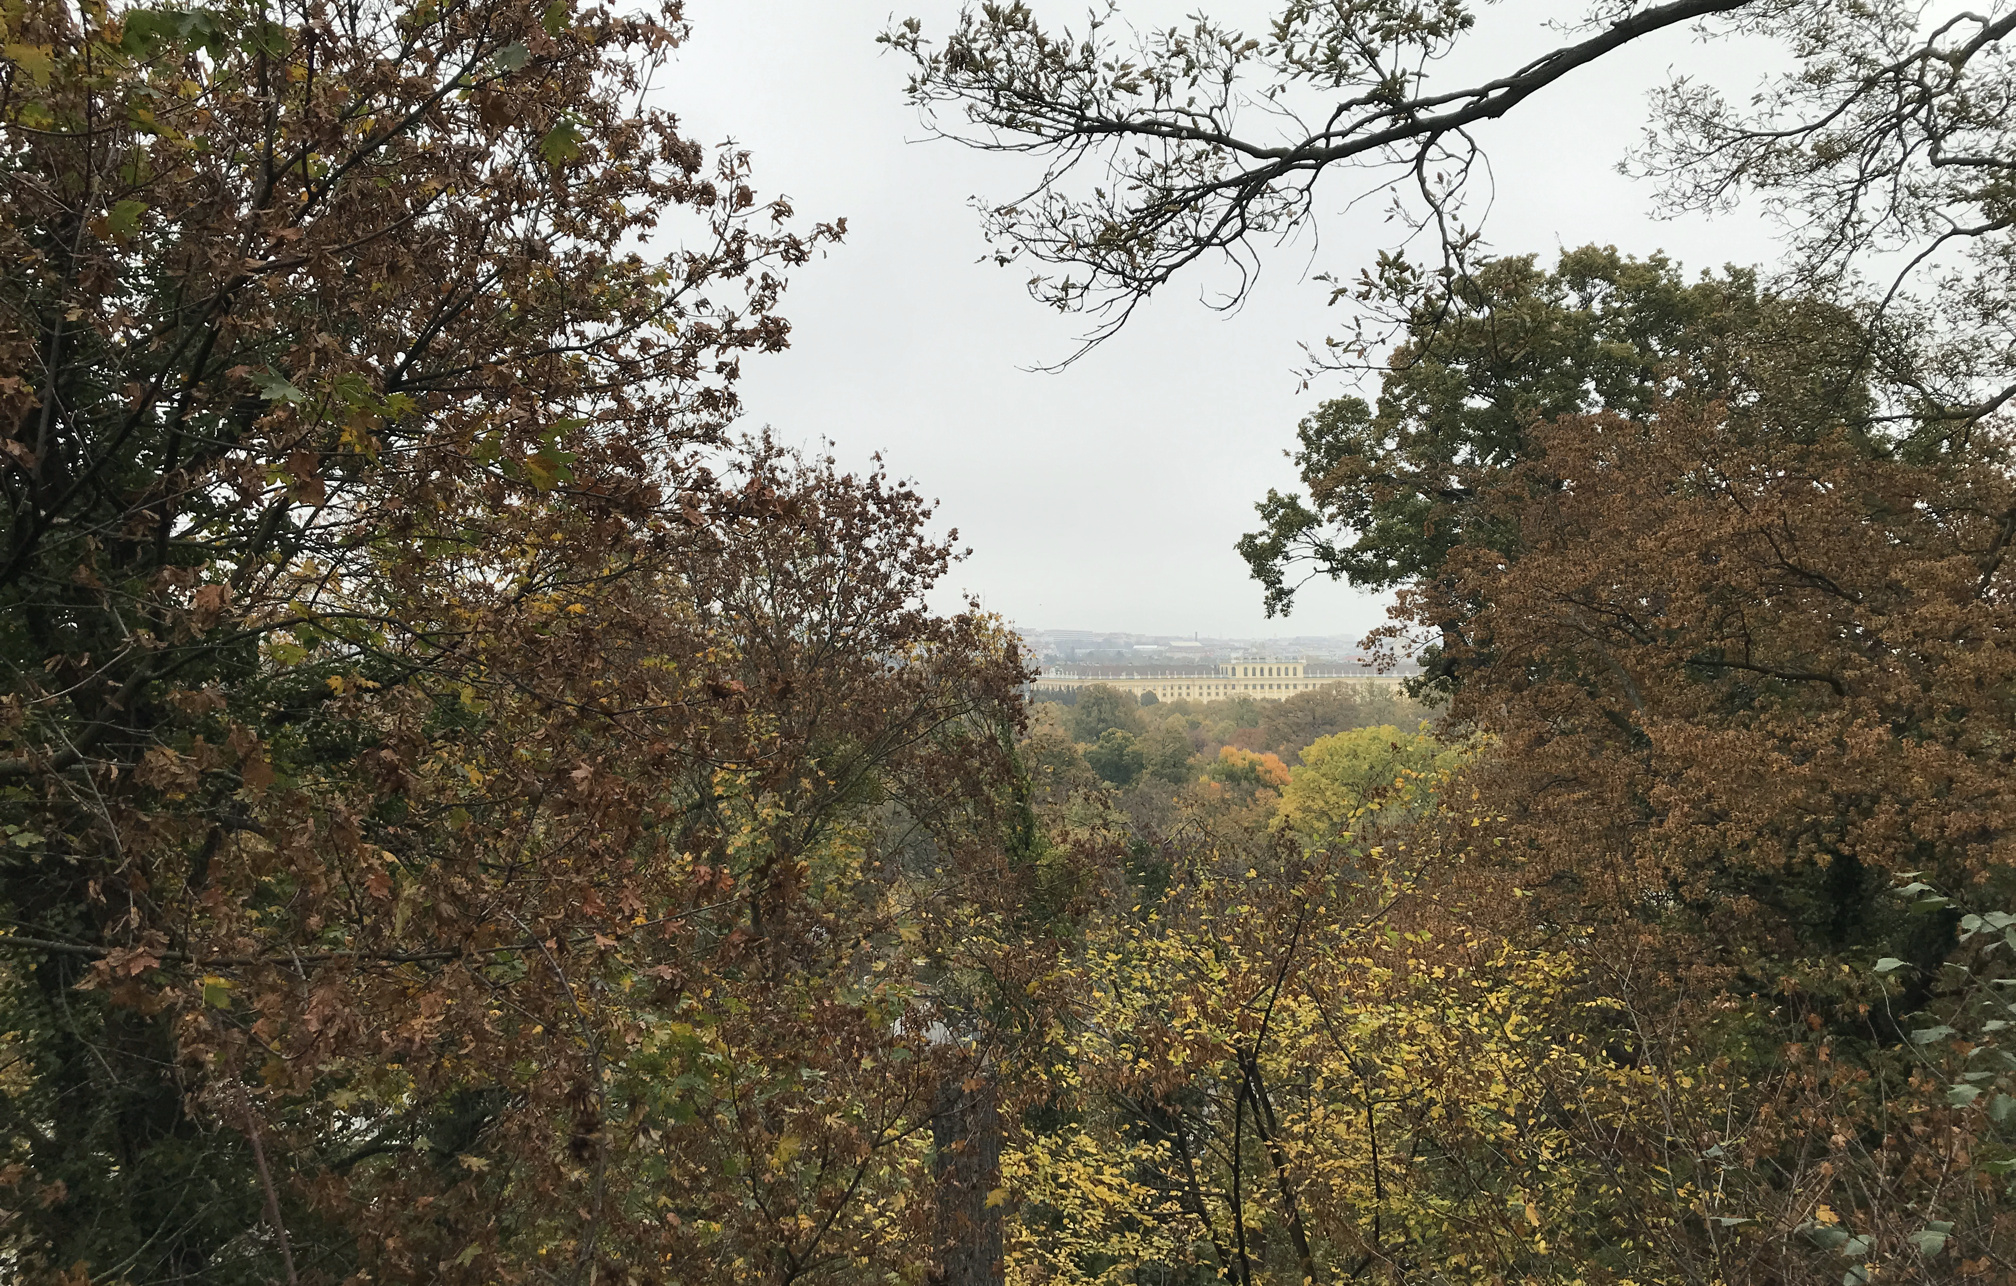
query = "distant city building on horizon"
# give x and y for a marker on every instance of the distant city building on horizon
(1261, 678)
(1119, 648)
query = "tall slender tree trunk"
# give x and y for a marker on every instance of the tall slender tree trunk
(966, 1131)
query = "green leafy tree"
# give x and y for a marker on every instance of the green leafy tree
(1287, 726)
(1352, 780)
(1393, 485)
(1116, 757)
(1102, 706)
(1167, 752)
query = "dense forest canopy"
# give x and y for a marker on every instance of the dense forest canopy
(473, 813)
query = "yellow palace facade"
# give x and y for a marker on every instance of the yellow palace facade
(1269, 679)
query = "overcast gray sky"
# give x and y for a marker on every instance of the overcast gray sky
(1108, 496)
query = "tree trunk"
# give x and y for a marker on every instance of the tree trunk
(966, 1131)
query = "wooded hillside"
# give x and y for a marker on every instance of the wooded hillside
(473, 812)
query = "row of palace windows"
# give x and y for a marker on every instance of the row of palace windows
(1180, 690)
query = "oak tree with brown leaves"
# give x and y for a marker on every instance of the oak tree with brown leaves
(467, 815)
(1748, 688)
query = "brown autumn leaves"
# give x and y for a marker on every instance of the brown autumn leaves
(441, 759)
(1750, 691)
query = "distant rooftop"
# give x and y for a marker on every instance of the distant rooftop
(1177, 667)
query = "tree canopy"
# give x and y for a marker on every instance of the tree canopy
(446, 773)
(1392, 485)
(469, 813)
(1709, 572)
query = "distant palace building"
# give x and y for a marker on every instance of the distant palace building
(1270, 679)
